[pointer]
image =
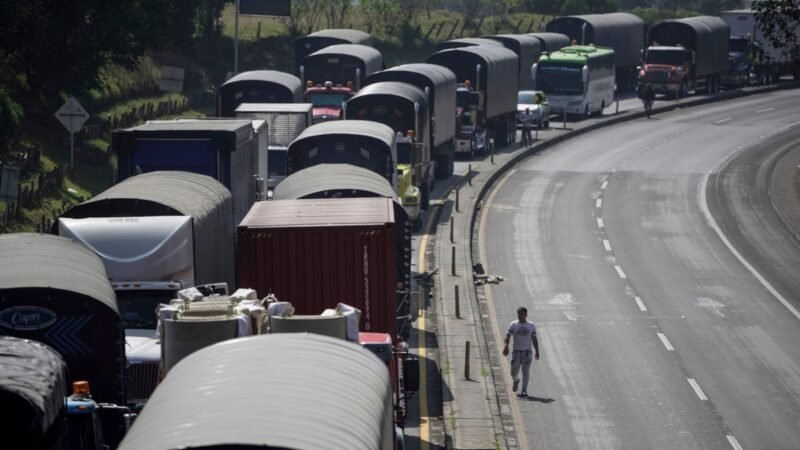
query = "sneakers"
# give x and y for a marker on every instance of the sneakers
(523, 394)
(515, 386)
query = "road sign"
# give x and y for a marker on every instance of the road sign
(72, 115)
(171, 79)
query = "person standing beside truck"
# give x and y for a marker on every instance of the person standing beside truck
(527, 122)
(525, 343)
(648, 97)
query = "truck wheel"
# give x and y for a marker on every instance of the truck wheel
(425, 202)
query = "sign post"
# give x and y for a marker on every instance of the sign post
(72, 116)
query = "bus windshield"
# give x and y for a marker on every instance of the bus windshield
(560, 79)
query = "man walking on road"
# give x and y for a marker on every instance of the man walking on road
(525, 341)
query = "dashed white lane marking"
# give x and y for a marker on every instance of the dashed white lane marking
(723, 120)
(640, 303)
(763, 111)
(665, 341)
(604, 185)
(599, 203)
(734, 443)
(607, 245)
(700, 394)
(620, 272)
(600, 222)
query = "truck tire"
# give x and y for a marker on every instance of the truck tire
(425, 201)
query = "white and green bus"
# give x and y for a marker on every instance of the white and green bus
(578, 79)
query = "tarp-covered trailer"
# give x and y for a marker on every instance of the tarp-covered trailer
(56, 291)
(156, 194)
(232, 151)
(341, 64)
(625, 33)
(258, 86)
(33, 389)
(299, 399)
(317, 253)
(358, 142)
(403, 107)
(708, 36)
(494, 71)
(439, 83)
(306, 45)
(466, 42)
(349, 181)
(551, 42)
(528, 50)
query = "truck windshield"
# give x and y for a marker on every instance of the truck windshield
(668, 57)
(276, 159)
(738, 45)
(465, 98)
(560, 79)
(138, 308)
(320, 99)
(403, 153)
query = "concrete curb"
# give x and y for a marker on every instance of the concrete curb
(503, 422)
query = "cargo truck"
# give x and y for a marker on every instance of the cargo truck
(232, 151)
(295, 390)
(156, 233)
(349, 181)
(486, 95)
(686, 55)
(403, 108)
(528, 50)
(317, 253)
(366, 144)
(624, 33)
(466, 42)
(439, 85)
(749, 47)
(258, 86)
(285, 122)
(333, 74)
(39, 412)
(55, 291)
(306, 45)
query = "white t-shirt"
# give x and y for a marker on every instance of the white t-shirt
(522, 332)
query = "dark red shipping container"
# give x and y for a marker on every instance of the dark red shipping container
(321, 252)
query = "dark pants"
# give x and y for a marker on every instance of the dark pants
(526, 135)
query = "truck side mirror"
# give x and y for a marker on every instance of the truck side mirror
(534, 69)
(585, 74)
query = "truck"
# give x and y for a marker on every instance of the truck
(39, 411)
(486, 95)
(285, 122)
(156, 233)
(232, 151)
(741, 70)
(624, 33)
(439, 84)
(685, 55)
(349, 181)
(551, 42)
(309, 392)
(56, 292)
(749, 47)
(333, 74)
(528, 50)
(319, 252)
(306, 45)
(404, 108)
(258, 86)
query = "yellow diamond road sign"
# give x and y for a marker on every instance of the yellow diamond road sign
(72, 115)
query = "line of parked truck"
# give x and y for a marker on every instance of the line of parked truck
(306, 188)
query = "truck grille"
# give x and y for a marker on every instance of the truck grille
(141, 380)
(657, 76)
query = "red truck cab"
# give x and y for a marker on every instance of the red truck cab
(327, 100)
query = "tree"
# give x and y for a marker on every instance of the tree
(574, 7)
(336, 11)
(380, 14)
(306, 15)
(779, 20)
